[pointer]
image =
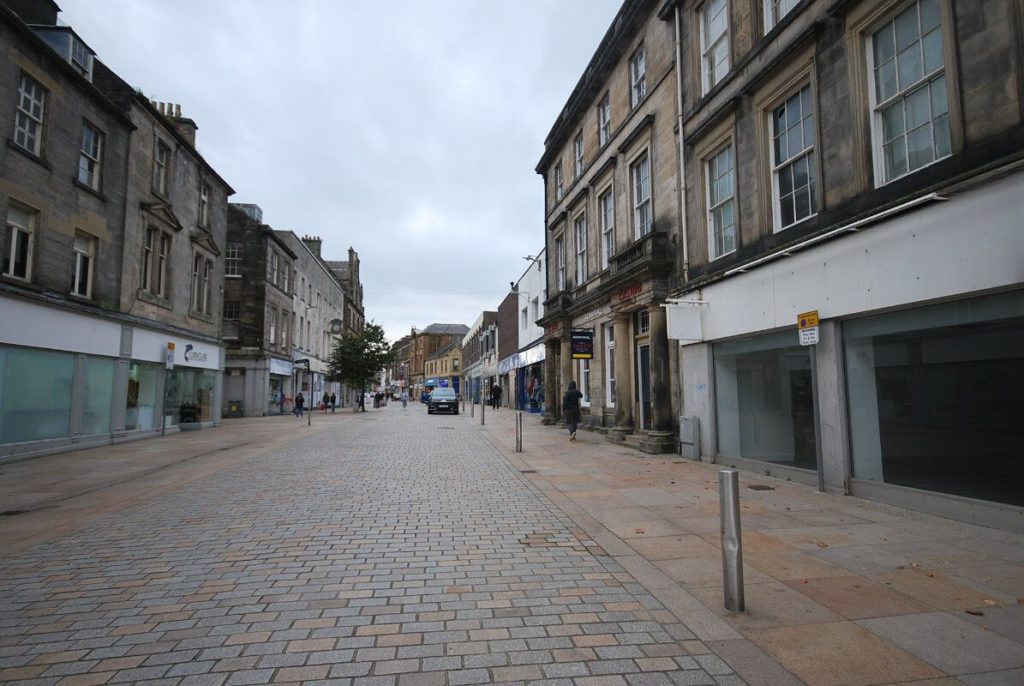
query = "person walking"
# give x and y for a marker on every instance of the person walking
(405, 398)
(496, 396)
(571, 409)
(300, 403)
(334, 402)
(324, 402)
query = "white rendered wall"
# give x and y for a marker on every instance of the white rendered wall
(38, 326)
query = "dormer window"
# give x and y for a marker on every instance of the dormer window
(81, 58)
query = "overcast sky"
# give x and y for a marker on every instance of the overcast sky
(408, 130)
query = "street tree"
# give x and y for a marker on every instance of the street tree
(358, 358)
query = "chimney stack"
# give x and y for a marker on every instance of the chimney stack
(314, 243)
(183, 125)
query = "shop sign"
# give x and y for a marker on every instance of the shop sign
(169, 360)
(582, 345)
(280, 367)
(807, 325)
(193, 355)
(631, 292)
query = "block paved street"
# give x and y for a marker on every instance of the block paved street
(382, 548)
(392, 547)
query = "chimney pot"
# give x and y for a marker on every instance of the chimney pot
(177, 111)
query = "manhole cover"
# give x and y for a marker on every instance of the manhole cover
(760, 487)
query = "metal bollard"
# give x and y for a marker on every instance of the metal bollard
(472, 408)
(732, 545)
(483, 410)
(519, 431)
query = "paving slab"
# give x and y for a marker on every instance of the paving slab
(952, 644)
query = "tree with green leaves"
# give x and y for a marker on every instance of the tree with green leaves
(358, 358)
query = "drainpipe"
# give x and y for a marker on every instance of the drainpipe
(682, 145)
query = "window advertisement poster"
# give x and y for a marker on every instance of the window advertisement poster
(582, 344)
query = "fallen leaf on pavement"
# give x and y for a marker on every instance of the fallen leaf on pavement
(989, 601)
(640, 531)
(822, 544)
(977, 613)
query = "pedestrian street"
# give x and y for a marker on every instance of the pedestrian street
(390, 547)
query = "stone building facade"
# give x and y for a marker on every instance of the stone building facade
(318, 310)
(479, 357)
(858, 165)
(259, 270)
(610, 168)
(83, 362)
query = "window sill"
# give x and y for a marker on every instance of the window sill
(201, 316)
(147, 297)
(11, 145)
(88, 189)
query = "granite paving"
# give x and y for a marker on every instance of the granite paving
(389, 548)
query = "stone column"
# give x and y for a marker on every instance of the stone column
(623, 379)
(661, 438)
(551, 372)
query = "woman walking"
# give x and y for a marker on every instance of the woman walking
(571, 409)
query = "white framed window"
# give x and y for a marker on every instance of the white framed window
(84, 250)
(232, 316)
(273, 267)
(910, 106)
(604, 120)
(560, 263)
(559, 182)
(606, 211)
(302, 333)
(204, 205)
(19, 242)
(721, 189)
(535, 308)
(609, 365)
(161, 163)
(643, 216)
(583, 374)
(577, 149)
(90, 156)
(714, 42)
(233, 259)
(156, 251)
(273, 327)
(794, 169)
(643, 322)
(202, 273)
(580, 232)
(81, 60)
(637, 77)
(28, 119)
(775, 10)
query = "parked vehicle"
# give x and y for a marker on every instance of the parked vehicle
(443, 400)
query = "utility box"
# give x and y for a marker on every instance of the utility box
(689, 437)
(236, 408)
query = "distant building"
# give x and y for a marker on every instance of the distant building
(479, 357)
(520, 339)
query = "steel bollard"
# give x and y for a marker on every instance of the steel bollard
(732, 544)
(483, 410)
(519, 431)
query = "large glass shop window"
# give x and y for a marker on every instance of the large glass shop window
(764, 401)
(35, 394)
(935, 397)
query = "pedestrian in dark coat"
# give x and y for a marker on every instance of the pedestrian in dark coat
(334, 401)
(571, 409)
(300, 403)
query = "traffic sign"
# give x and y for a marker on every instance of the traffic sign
(807, 324)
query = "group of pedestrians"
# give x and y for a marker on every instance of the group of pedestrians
(329, 401)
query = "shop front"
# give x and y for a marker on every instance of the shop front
(279, 385)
